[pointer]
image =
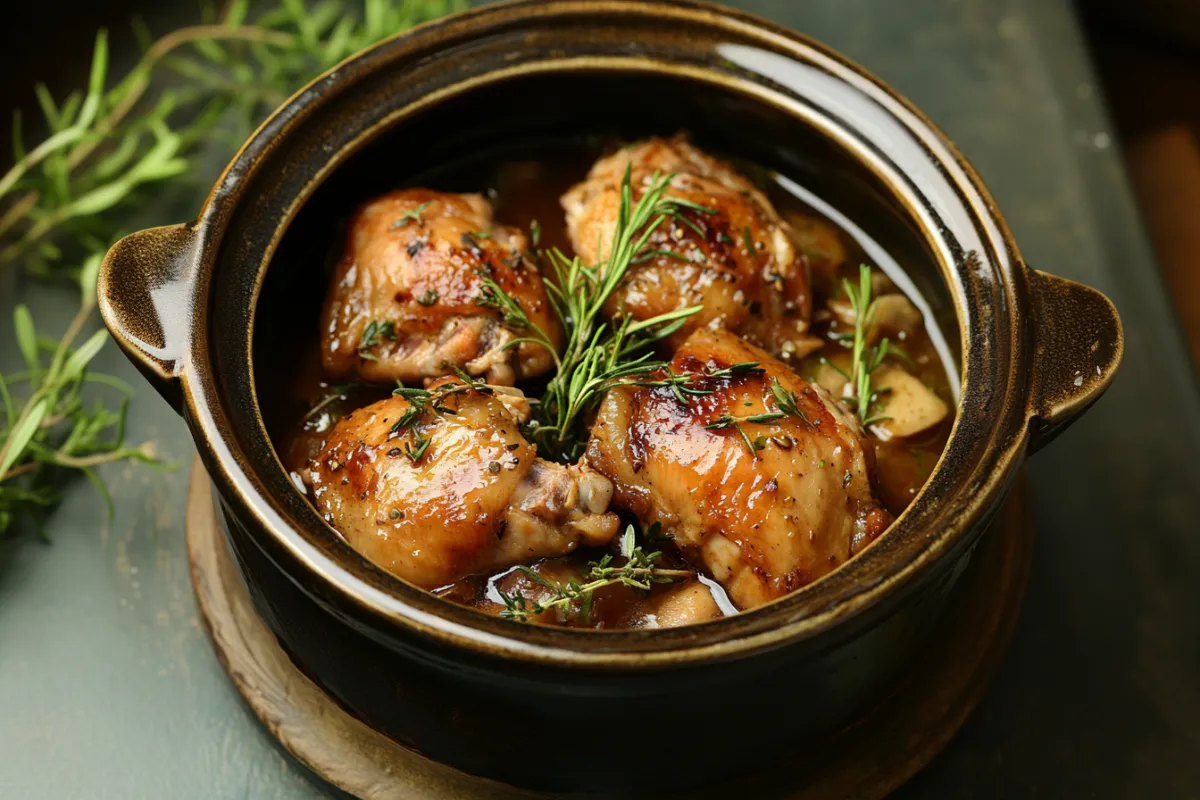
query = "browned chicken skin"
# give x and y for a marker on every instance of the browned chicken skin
(762, 524)
(476, 499)
(402, 304)
(743, 268)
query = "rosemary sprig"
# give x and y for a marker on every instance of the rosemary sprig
(52, 429)
(64, 201)
(416, 450)
(335, 393)
(373, 335)
(412, 215)
(732, 421)
(786, 400)
(595, 357)
(864, 360)
(639, 571)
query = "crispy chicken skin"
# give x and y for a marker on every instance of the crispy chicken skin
(761, 524)
(477, 499)
(760, 293)
(410, 269)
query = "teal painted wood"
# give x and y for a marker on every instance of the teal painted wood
(109, 688)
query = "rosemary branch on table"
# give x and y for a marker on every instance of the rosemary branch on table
(108, 149)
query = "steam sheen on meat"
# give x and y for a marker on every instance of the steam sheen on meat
(762, 524)
(477, 499)
(402, 304)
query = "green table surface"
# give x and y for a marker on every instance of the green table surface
(109, 688)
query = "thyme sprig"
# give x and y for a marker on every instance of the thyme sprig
(639, 571)
(108, 147)
(422, 400)
(697, 384)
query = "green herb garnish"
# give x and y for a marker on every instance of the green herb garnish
(373, 335)
(52, 428)
(733, 421)
(111, 148)
(412, 215)
(428, 298)
(786, 400)
(415, 453)
(595, 357)
(334, 393)
(639, 572)
(864, 360)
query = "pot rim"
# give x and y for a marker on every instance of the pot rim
(824, 606)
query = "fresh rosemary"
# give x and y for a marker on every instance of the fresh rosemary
(733, 421)
(786, 400)
(66, 199)
(52, 429)
(417, 448)
(864, 359)
(334, 393)
(639, 571)
(373, 335)
(596, 357)
(413, 215)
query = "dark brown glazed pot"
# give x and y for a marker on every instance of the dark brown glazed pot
(568, 709)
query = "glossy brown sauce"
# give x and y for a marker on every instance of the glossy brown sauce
(523, 191)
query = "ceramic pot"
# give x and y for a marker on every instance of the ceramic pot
(568, 709)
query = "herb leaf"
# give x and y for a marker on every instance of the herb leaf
(640, 572)
(864, 360)
(109, 148)
(786, 400)
(596, 357)
(375, 332)
(412, 215)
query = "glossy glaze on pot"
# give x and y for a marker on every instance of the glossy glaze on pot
(1035, 351)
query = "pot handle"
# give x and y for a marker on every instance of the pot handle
(145, 291)
(1078, 344)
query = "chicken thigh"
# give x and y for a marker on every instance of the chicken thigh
(402, 304)
(441, 485)
(739, 262)
(762, 480)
